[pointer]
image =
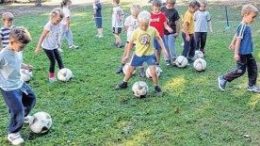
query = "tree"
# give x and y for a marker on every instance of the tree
(38, 3)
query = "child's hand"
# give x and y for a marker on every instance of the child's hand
(236, 57)
(37, 50)
(125, 58)
(170, 30)
(29, 67)
(232, 47)
(176, 35)
(187, 38)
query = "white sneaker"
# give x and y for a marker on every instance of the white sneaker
(15, 138)
(28, 119)
(60, 50)
(73, 47)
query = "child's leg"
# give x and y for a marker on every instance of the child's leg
(186, 47)
(203, 41)
(58, 58)
(154, 75)
(192, 46)
(157, 51)
(197, 36)
(51, 56)
(28, 99)
(172, 49)
(239, 70)
(251, 70)
(69, 37)
(166, 41)
(129, 73)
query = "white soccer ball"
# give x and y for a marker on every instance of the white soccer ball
(181, 61)
(148, 72)
(198, 54)
(140, 89)
(200, 64)
(65, 74)
(41, 123)
(26, 75)
(125, 68)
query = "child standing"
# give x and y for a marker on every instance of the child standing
(97, 14)
(131, 24)
(242, 46)
(188, 31)
(67, 33)
(143, 38)
(202, 21)
(158, 21)
(173, 17)
(7, 18)
(49, 41)
(117, 22)
(18, 96)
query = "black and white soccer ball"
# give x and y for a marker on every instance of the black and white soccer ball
(64, 74)
(198, 54)
(200, 64)
(140, 89)
(26, 75)
(41, 123)
(181, 61)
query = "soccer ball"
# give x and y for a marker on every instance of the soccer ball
(41, 123)
(148, 72)
(65, 74)
(198, 54)
(181, 61)
(126, 66)
(199, 64)
(140, 89)
(26, 75)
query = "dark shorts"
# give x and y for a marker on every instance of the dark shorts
(98, 22)
(117, 30)
(139, 61)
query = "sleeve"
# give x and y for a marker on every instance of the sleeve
(133, 36)
(240, 31)
(163, 17)
(47, 26)
(176, 16)
(187, 18)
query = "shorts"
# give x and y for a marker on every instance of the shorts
(139, 61)
(117, 30)
(98, 22)
(156, 45)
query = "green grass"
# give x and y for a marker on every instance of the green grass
(87, 111)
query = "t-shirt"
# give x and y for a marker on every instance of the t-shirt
(4, 34)
(172, 15)
(201, 19)
(10, 65)
(132, 24)
(157, 21)
(52, 40)
(144, 41)
(244, 33)
(117, 17)
(67, 14)
(97, 7)
(188, 18)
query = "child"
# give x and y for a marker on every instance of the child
(49, 41)
(117, 22)
(67, 33)
(242, 46)
(202, 21)
(169, 37)
(97, 7)
(143, 38)
(188, 31)
(18, 96)
(7, 18)
(131, 24)
(158, 21)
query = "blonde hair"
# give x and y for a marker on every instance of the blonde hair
(7, 16)
(21, 35)
(144, 16)
(135, 9)
(249, 8)
(57, 11)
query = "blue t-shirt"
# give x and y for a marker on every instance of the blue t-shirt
(97, 6)
(245, 34)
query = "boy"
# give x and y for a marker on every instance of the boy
(188, 31)
(117, 22)
(7, 18)
(97, 14)
(242, 46)
(18, 96)
(143, 38)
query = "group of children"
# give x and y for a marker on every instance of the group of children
(150, 33)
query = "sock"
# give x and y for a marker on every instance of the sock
(51, 75)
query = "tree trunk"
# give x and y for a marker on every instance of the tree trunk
(38, 3)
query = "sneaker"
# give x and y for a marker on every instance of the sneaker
(120, 45)
(142, 74)
(254, 89)
(28, 119)
(73, 47)
(168, 62)
(119, 70)
(158, 91)
(221, 83)
(60, 50)
(53, 79)
(15, 138)
(122, 85)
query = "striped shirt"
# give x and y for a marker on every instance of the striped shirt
(4, 34)
(245, 34)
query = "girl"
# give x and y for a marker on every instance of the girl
(49, 41)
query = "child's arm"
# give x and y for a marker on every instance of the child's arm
(160, 41)
(233, 42)
(185, 29)
(209, 22)
(127, 51)
(167, 27)
(236, 50)
(27, 66)
(178, 28)
(43, 36)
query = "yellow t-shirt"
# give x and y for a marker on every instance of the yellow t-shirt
(144, 41)
(188, 18)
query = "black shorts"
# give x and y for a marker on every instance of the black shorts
(117, 30)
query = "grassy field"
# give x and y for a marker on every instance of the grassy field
(87, 111)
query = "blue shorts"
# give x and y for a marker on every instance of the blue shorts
(156, 45)
(139, 61)
(98, 22)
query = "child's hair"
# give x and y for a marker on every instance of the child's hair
(144, 16)
(171, 1)
(203, 2)
(157, 3)
(249, 8)
(135, 8)
(194, 3)
(57, 11)
(64, 3)
(21, 35)
(7, 16)
(116, 1)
